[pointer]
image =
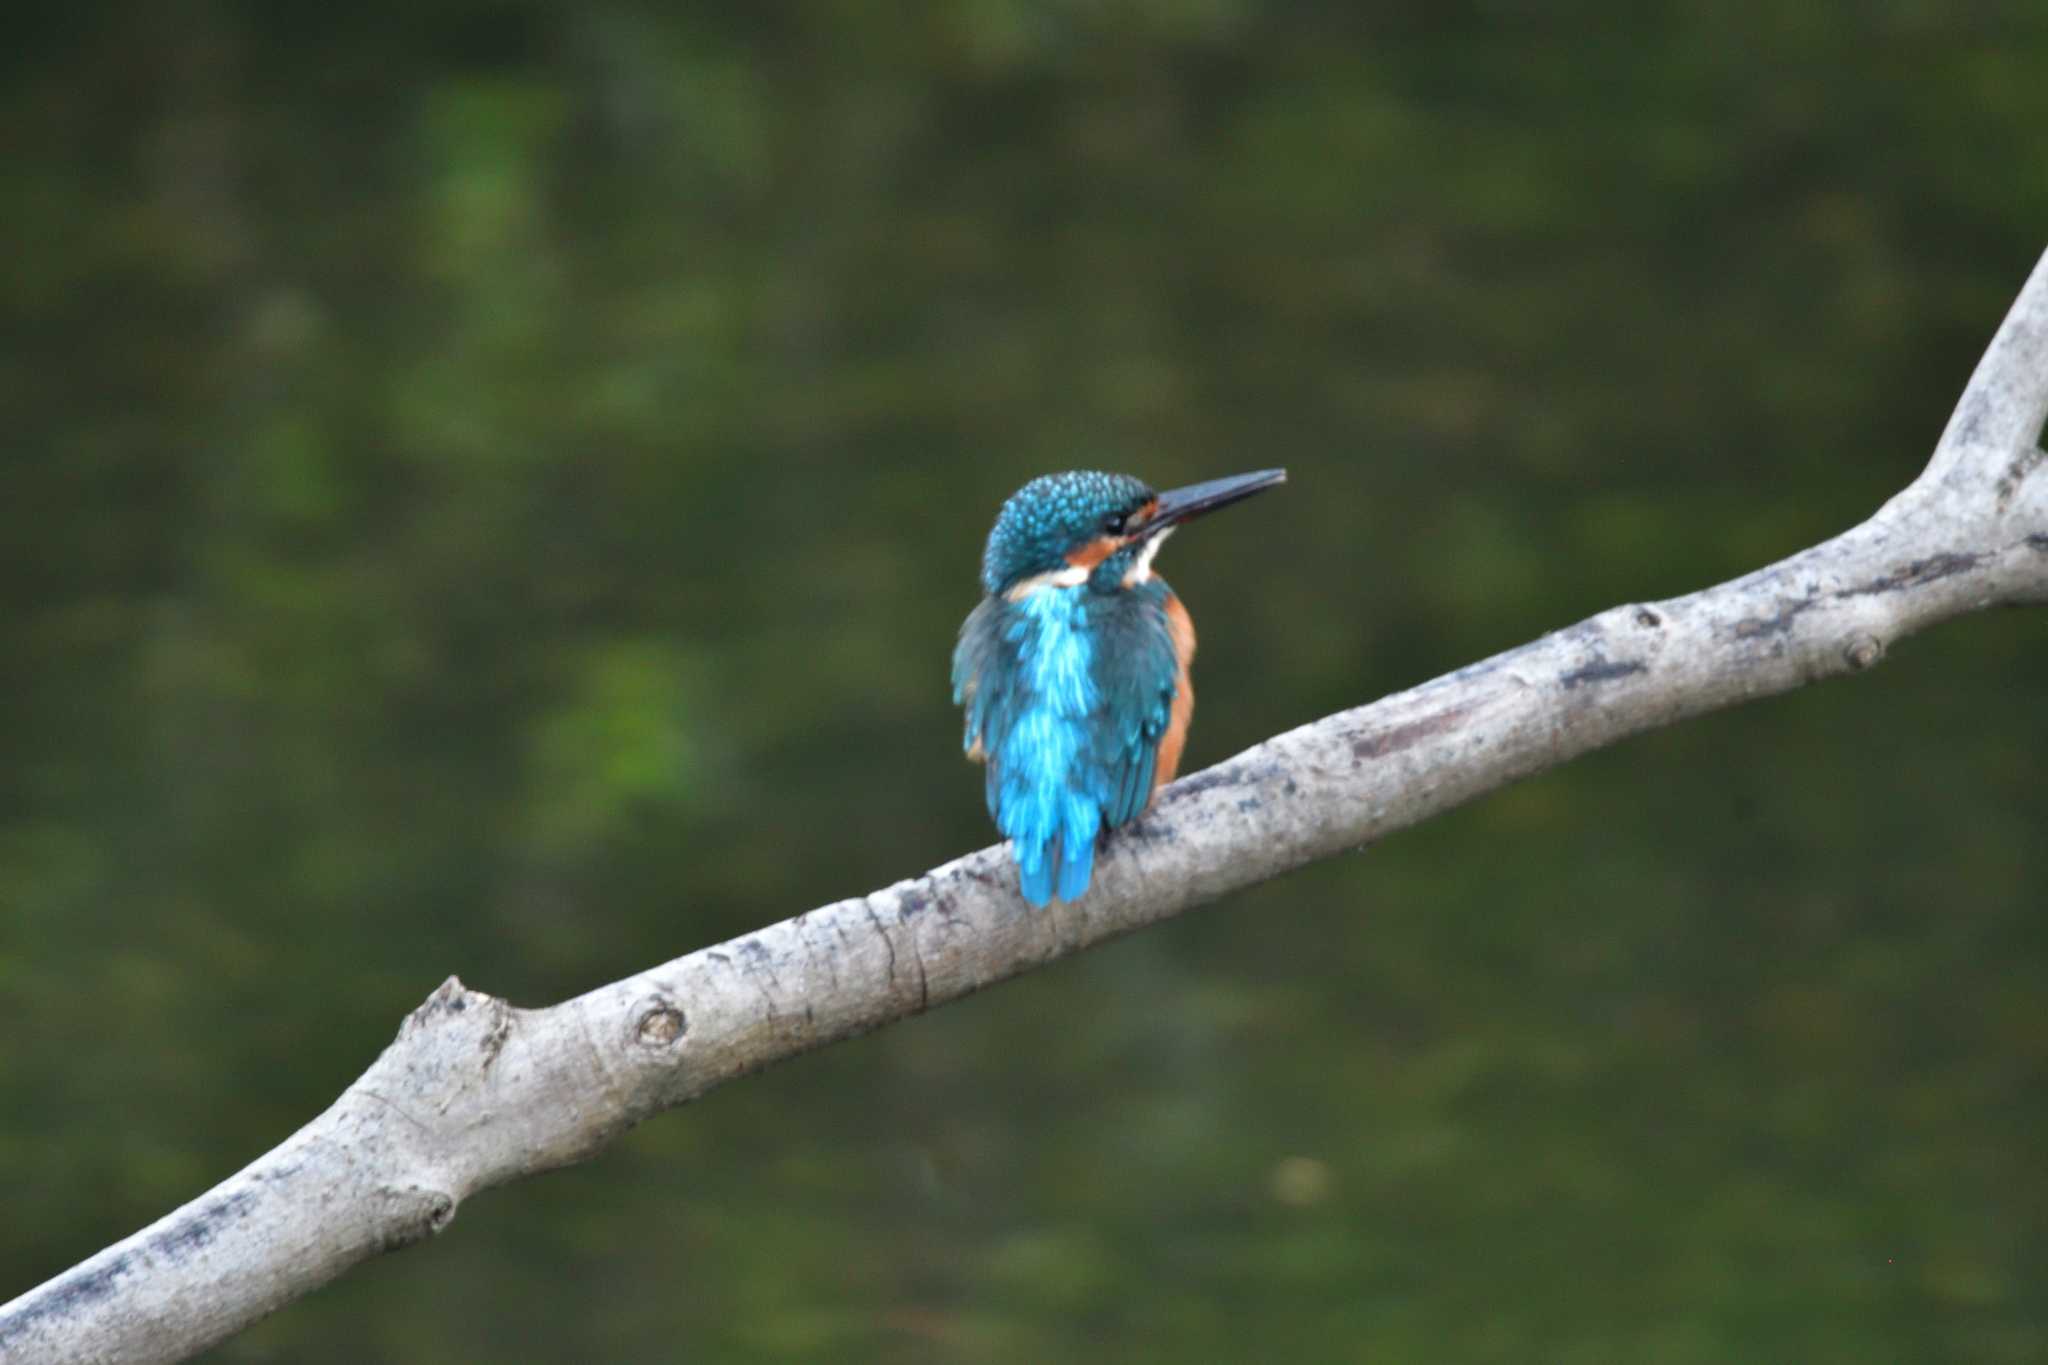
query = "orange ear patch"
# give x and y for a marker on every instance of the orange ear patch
(1094, 552)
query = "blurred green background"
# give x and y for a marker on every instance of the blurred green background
(491, 489)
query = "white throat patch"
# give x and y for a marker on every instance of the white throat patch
(1141, 567)
(1073, 576)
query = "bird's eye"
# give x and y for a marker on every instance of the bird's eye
(1114, 523)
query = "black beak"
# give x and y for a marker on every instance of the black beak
(1182, 504)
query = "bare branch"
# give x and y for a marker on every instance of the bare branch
(475, 1092)
(2006, 403)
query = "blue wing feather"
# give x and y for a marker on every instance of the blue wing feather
(1067, 694)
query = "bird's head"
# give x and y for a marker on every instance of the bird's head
(1064, 529)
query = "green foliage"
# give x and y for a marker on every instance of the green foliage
(492, 489)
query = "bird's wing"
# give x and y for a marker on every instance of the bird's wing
(1135, 670)
(985, 678)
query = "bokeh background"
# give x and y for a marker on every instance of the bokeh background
(490, 488)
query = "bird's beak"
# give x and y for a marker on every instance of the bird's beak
(1182, 504)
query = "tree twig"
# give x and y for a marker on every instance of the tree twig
(474, 1092)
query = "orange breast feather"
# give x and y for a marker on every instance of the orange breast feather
(1181, 629)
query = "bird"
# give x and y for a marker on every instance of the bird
(1073, 669)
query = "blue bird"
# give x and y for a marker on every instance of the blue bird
(1074, 668)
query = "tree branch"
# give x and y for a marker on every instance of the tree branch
(475, 1092)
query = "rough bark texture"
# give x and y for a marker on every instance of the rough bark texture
(474, 1092)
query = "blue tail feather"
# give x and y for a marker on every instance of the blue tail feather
(1075, 870)
(1035, 863)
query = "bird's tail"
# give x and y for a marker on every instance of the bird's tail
(1062, 861)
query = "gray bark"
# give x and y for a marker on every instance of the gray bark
(474, 1092)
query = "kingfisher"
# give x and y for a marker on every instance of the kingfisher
(1073, 669)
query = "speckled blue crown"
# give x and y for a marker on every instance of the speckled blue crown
(1050, 516)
